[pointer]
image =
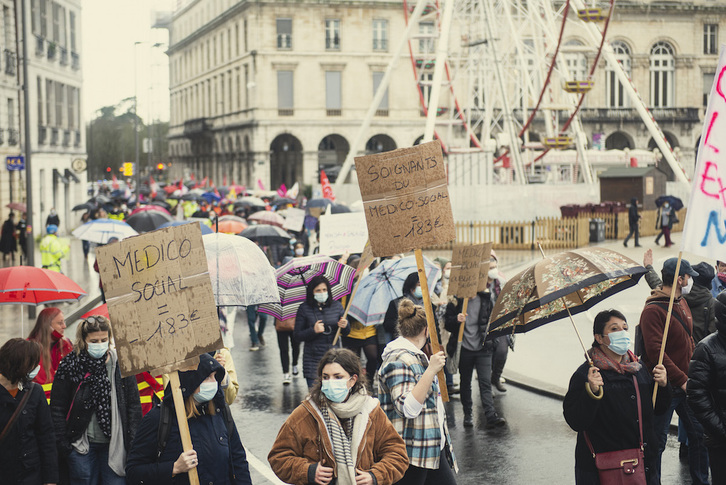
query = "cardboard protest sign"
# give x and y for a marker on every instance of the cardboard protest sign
(159, 299)
(704, 232)
(406, 199)
(486, 255)
(465, 263)
(342, 232)
(294, 219)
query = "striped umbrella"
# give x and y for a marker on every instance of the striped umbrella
(293, 277)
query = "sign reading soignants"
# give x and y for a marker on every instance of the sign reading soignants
(406, 199)
(159, 299)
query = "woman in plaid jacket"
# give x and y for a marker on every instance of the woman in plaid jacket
(409, 393)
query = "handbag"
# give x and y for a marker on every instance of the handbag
(17, 412)
(287, 325)
(622, 467)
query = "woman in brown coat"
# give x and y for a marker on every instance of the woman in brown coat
(338, 432)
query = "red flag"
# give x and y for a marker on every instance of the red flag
(260, 184)
(327, 189)
(204, 182)
(114, 184)
(224, 181)
(282, 191)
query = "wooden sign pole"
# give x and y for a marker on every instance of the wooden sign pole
(347, 307)
(433, 334)
(668, 320)
(181, 418)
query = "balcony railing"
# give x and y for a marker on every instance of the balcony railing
(63, 56)
(198, 127)
(54, 136)
(690, 115)
(52, 51)
(381, 112)
(334, 112)
(42, 134)
(10, 62)
(2, 136)
(13, 137)
(75, 61)
(285, 112)
(66, 138)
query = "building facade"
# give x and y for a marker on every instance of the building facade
(273, 91)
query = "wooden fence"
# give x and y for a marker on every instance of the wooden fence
(554, 232)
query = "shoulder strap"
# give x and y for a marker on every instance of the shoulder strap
(664, 306)
(14, 417)
(162, 435)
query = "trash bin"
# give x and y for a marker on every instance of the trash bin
(597, 230)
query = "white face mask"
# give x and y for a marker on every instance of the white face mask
(493, 273)
(299, 251)
(687, 289)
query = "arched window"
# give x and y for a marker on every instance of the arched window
(662, 73)
(615, 91)
(576, 61)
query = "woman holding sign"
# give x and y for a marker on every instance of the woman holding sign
(158, 457)
(317, 321)
(339, 432)
(95, 411)
(409, 393)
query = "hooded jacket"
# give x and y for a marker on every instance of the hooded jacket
(222, 459)
(707, 386)
(679, 345)
(303, 441)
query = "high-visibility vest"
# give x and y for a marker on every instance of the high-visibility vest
(51, 252)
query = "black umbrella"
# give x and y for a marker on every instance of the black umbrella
(162, 204)
(339, 209)
(673, 201)
(86, 206)
(100, 199)
(160, 195)
(118, 194)
(148, 220)
(266, 235)
(323, 203)
(284, 200)
(190, 196)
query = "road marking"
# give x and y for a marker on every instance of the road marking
(262, 467)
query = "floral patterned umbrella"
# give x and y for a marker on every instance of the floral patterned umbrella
(566, 283)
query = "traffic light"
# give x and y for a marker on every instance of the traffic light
(108, 169)
(160, 167)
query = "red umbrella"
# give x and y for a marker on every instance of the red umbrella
(267, 217)
(27, 285)
(101, 310)
(17, 206)
(145, 208)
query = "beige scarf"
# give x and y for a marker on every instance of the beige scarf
(355, 408)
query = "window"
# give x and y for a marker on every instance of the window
(49, 102)
(285, 98)
(11, 113)
(59, 104)
(333, 93)
(332, 34)
(380, 35)
(382, 109)
(710, 38)
(56, 23)
(43, 18)
(35, 17)
(427, 42)
(62, 27)
(662, 73)
(616, 97)
(40, 101)
(707, 85)
(284, 33)
(236, 39)
(8, 27)
(73, 31)
(576, 62)
(247, 86)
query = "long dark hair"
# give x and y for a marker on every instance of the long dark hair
(410, 283)
(350, 364)
(310, 298)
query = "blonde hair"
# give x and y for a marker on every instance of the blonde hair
(411, 319)
(190, 407)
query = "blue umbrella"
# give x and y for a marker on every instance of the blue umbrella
(384, 284)
(100, 231)
(211, 197)
(673, 201)
(204, 227)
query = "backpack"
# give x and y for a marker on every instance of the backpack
(640, 342)
(165, 426)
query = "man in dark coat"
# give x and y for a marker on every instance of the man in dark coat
(707, 391)
(633, 218)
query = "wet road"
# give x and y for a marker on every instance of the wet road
(536, 446)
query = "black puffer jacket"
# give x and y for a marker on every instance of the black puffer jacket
(707, 386)
(70, 398)
(27, 454)
(316, 344)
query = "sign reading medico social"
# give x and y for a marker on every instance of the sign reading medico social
(406, 199)
(160, 299)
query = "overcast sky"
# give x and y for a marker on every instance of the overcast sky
(110, 29)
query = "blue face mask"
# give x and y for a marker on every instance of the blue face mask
(321, 297)
(97, 350)
(417, 292)
(207, 390)
(33, 373)
(619, 342)
(336, 389)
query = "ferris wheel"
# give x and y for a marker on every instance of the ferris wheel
(516, 75)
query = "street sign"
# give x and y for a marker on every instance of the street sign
(128, 169)
(15, 163)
